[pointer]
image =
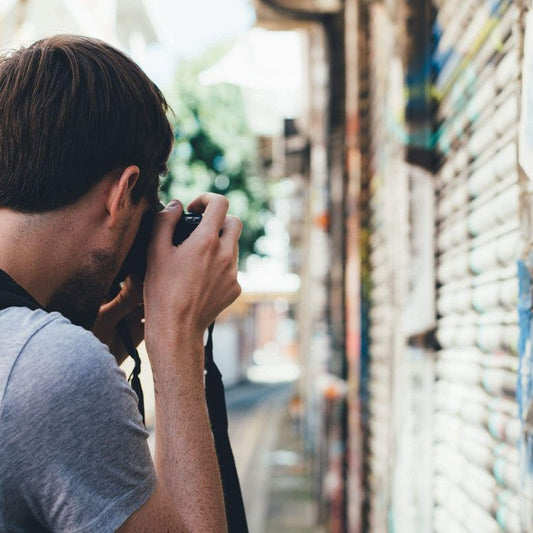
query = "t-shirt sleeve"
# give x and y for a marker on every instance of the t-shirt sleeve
(79, 454)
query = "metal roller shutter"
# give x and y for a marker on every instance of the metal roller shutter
(389, 200)
(476, 431)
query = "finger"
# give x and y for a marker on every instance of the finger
(164, 224)
(214, 208)
(232, 229)
(127, 300)
(230, 234)
(229, 239)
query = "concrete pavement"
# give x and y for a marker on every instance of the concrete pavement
(269, 455)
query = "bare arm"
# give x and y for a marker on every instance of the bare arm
(186, 287)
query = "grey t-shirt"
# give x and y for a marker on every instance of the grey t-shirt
(73, 450)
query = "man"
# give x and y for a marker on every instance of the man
(83, 140)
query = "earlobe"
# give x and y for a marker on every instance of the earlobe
(119, 195)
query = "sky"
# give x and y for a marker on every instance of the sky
(194, 25)
(188, 28)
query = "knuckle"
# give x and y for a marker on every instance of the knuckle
(227, 255)
(228, 258)
(210, 239)
(228, 264)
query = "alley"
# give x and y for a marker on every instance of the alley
(266, 442)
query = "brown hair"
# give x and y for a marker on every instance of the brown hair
(73, 109)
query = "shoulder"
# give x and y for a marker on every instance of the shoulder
(38, 336)
(72, 438)
(60, 346)
(63, 365)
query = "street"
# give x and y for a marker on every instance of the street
(268, 453)
(254, 413)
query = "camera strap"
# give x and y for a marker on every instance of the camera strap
(133, 378)
(218, 416)
(13, 295)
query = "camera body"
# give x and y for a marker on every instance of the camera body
(135, 262)
(186, 225)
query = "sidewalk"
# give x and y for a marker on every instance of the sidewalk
(290, 507)
(268, 452)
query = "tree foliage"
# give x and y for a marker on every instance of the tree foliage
(215, 151)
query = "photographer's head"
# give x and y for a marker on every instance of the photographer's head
(84, 138)
(73, 109)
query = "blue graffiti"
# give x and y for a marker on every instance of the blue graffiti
(524, 385)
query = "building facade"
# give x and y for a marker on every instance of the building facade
(419, 195)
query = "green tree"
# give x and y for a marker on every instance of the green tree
(215, 151)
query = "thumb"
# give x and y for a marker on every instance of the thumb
(164, 225)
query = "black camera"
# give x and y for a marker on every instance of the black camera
(186, 225)
(135, 262)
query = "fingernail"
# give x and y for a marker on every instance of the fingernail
(173, 204)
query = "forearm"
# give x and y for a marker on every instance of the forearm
(185, 456)
(181, 293)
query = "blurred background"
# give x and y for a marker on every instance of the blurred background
(378, 364)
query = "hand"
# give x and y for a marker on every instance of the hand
(187, 286)
(127, 306)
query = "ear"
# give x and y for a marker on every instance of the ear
(119, 193)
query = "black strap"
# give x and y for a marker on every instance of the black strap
(216, 406)
(13, 295)
(133, 378)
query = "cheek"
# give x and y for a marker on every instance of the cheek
(127, 235)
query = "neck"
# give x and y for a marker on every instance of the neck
(37, 251)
